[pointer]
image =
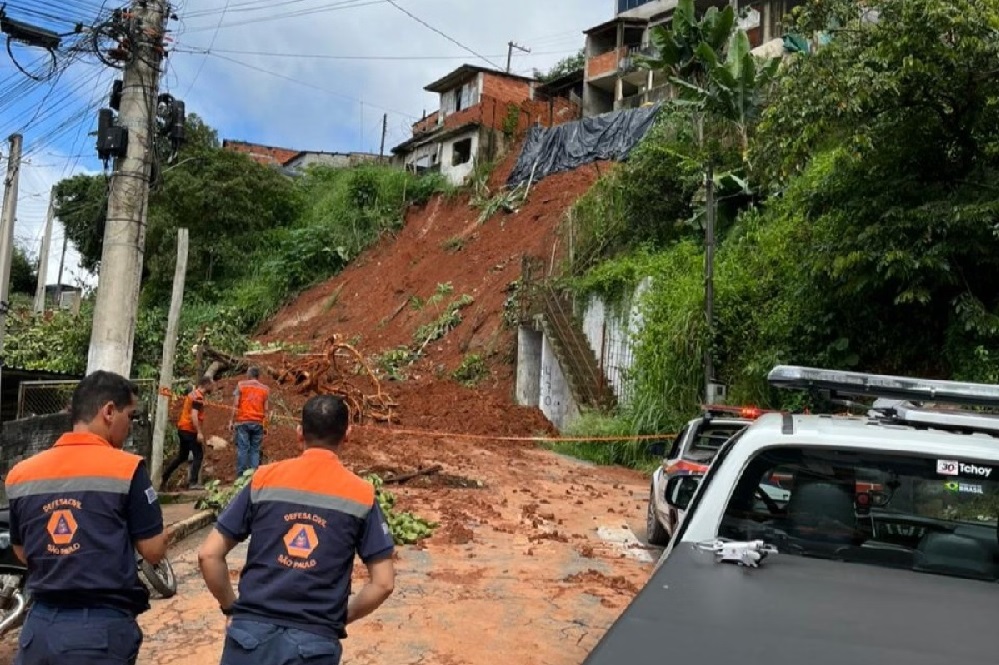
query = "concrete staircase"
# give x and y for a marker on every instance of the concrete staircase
(579, 364)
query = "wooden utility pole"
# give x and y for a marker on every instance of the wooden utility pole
(169, 350)
(381, 151)
(509, 53)
(7, 229)
(125, 234)
(43, 256)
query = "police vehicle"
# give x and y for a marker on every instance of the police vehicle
(885, 551)
(690, 454)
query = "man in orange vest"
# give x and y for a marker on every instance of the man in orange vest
(306, 519)
(249, 414)
(191, 433)
(78, 513)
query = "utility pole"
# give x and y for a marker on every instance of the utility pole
(169, 350)
(509, 53)
(709, 280)
(7, 229)
(381, 151)
(62, 262)
(124, 234)
(43, 256)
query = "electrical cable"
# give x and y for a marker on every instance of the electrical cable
(322, 56)
(442, 34)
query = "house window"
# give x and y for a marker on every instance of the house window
(461, 152)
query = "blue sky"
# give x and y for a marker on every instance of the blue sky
(274, 74)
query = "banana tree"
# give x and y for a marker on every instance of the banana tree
(677, 46)
(733, 89)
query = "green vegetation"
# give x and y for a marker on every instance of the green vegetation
(406, 527)
(217, 497)
(471, 370)
(257, 238)
(858, 192)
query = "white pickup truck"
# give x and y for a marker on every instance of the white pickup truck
(886, 549)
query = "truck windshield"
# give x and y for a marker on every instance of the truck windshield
(930, 515)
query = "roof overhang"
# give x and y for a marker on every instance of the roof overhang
(466, 72)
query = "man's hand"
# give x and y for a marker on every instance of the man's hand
(201, 438)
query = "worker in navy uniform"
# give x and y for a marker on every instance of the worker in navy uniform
(306, 518)
(78, 513)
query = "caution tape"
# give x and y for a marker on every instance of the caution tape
(399, 431)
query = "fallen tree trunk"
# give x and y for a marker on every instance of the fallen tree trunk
(429, 471)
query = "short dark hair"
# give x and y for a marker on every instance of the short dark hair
(324, 420)
(96, 390)
(253, 372)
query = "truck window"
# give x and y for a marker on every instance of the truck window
(902, 511)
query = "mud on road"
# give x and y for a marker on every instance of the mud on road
(517, 571)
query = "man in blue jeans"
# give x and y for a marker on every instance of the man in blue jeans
(249, 415)
(306, 519)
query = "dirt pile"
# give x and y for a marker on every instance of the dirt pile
(379, 304)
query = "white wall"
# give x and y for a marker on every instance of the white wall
(649, 9)
(609, 331)
(457, 174)
(556, 400)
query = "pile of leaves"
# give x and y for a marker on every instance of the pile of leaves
(217, 497)
(406, 527)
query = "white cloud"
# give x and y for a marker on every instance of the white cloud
(247, 104)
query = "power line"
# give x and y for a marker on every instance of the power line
(310, 85)
(343, 4)
(324, 56)
(442, 34)
(215, 36)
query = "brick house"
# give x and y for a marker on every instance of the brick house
(481, 110)
(294, 162)
(612, 78)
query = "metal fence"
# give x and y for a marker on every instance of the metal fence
(43, 398)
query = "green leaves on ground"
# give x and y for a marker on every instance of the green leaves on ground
(406, 527)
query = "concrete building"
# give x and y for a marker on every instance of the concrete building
(612, 78)
(480, 111)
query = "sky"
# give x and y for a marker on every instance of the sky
(301, 74)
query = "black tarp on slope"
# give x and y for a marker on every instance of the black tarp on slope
(610, 136)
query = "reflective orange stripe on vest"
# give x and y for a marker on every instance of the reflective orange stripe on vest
(316, 479)
(76, 463)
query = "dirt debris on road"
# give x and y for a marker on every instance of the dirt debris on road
(518, 540)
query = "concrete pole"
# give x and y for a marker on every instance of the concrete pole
(124, 235)
(169, 350)
(7, 229)
(43, 257)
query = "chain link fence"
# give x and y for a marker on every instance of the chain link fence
(44, 398)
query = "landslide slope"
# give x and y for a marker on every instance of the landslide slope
(375, 305)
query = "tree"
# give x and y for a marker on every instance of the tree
(895, 125)
(222, 197)
(23, 272)
(564, 66)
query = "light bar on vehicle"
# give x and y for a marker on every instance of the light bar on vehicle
(881, 385)
(747, 412)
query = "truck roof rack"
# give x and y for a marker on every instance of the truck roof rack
(899, 400)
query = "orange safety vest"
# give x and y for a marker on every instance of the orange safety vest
(194, 399)
(252, 400)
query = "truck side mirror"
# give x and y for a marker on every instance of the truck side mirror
(680, 490)
(657, 449)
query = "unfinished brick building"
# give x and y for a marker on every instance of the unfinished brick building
(481, 110)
